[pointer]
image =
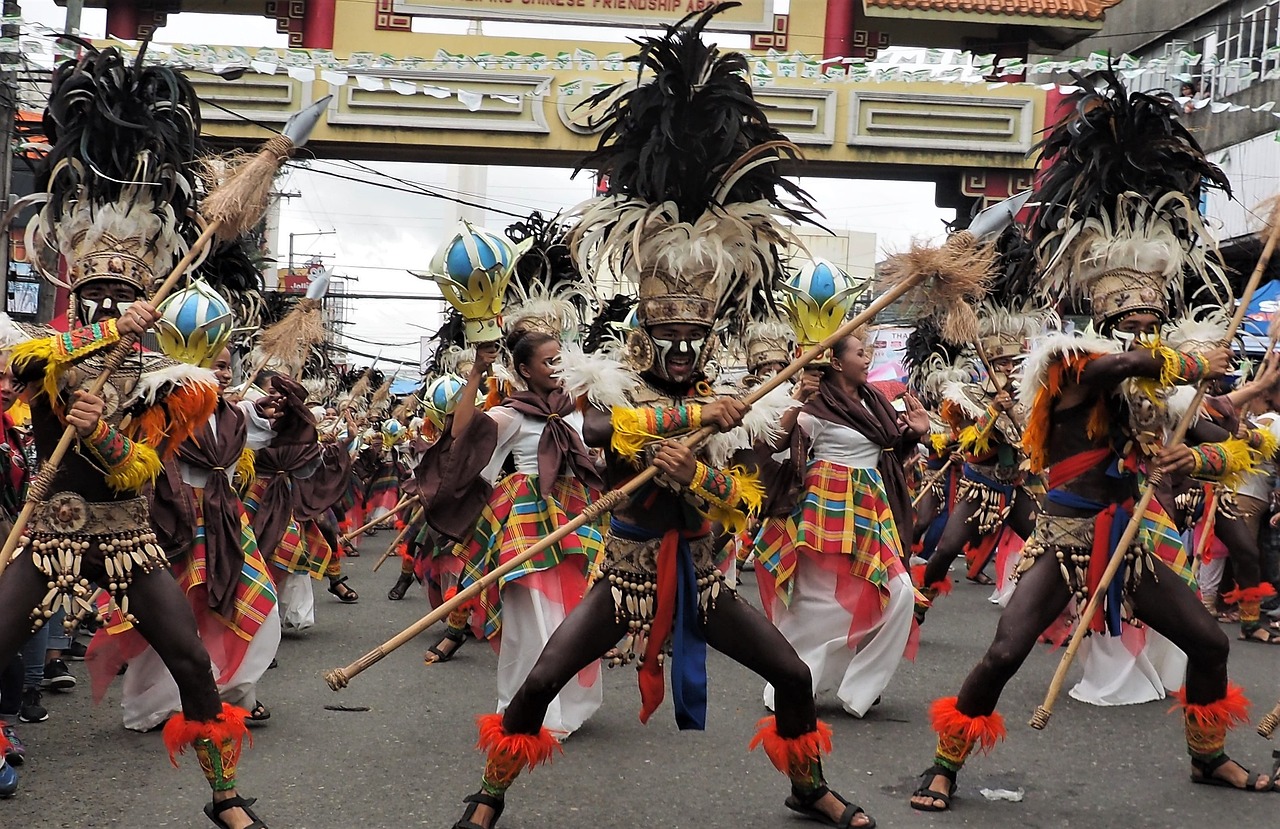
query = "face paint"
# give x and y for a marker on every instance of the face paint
(107, 308)
(677, 348)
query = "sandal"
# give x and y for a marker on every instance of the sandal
(924, 791)
(1260, 634)
(214, 811)
(480, 799)
(1206, 768)
(259, 715)
(457, 638)
(400, 588)
(346, 595)
(803, 804)
(982, 579)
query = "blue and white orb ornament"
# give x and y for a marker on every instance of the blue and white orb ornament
(441, 398)
(195, 324)
(392, 430)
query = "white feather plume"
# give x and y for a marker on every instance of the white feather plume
(605, 380)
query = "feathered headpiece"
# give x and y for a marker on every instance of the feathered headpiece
(1117, 218)
(609, 328)
(768, 341)
(693, 197)
(546, 292)
(931, 362)
(119, 180)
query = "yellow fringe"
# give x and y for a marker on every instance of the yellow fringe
(629, 434)
(975, 442)
(30, 354)
(246, 467)
(142, 469)
(939, 442)
(736, 518)
(1241, 459)
(1267, 450)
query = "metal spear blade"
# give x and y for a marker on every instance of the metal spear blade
(997, 217)
(298, 128)
(319, 286)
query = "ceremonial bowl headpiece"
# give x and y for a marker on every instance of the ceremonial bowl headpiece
(441, 398)
(692, 207)
(1004, 332)
(195, 324)
(817, 299)
(1117, 220)
(472, 269)
(119, 183)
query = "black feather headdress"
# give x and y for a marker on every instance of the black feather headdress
(694, 206)
(1118, 205)
(546, 292)
(932, 362)
(120, 179)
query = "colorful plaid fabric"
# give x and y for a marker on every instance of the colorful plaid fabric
(843, 512)
(295, 553)
(515, 519)
(1158, 534)
(255, 593)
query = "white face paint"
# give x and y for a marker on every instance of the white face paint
(91, 309)
(679, 348)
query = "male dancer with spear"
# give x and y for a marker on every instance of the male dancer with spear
(1122, 236)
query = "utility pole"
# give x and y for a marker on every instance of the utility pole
(74, 8)
(9, 61)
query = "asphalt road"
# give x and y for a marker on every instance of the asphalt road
(404, 757)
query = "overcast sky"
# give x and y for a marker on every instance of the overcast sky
(381, 233)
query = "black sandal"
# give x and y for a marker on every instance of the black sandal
(924, 791)
(456, 638)
(982, 580)
(1259, 634)
(214, 811)
(259, 715)
(480, 799)
(401, 587)
(346, 595)
(803, 804)
(1206, 768)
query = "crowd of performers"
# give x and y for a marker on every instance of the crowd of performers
(1050, 361)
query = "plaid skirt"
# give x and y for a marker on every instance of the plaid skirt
(297, 552)
(844, 512)
(516, 518)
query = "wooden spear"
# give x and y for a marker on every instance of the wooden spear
(933, 479)
(413, 520)
(1040, 718)
(229, 211)
(404, 504)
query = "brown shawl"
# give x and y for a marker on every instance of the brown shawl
(296, 446)
(448, 482)
(216, 452)
(560, 449)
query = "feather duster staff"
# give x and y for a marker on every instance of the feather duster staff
(75, 102)
(288, 342)
(382, 396)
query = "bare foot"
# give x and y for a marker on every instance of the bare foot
(482, 816)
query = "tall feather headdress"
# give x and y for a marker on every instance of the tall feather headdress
(546, 292)
(694, 209)
(1117, 220)
(119, 181)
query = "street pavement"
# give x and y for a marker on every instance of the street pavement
(396, 749)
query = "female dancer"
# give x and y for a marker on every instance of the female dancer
(831, 573)
(540, 430)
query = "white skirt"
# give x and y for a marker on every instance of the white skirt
(817, 626)
(528, 620)
(1114, 675)
(297, 601)
(150, 695)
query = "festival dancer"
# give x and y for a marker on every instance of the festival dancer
(832, 572)
(1097, 417)
(700, 169)
(14, 471)
(215, 557)
(118, 221)
(991, 499)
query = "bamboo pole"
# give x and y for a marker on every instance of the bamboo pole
(1040, 718)
(413, 519)
(400, 507)
(1203, 541)
(1269, 723)
(933, 479)
(338, 678)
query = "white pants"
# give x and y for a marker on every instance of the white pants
(817, 626)
(150, 696)
(1115, 676)
(297, 602)
(528, 620)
